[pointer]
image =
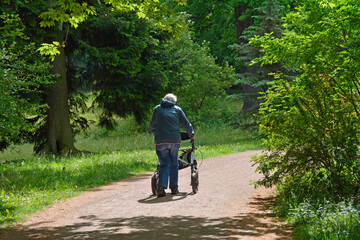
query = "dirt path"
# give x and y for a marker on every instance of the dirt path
(226, 207)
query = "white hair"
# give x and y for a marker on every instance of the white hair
(170, 97)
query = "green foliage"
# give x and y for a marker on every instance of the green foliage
(267, 19)
(135, 67)
(216, 23)
(213, 22)
(198, 80)
(50, 49)
(311, 123)
(74, 13)
(325, 220)
(66, 11)
(24, 76)
(127, 58)
(169, 20)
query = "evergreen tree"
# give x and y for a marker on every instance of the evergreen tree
(266, 20)
(129, 75)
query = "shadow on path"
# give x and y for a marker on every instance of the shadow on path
(151, 227)
(152, 199)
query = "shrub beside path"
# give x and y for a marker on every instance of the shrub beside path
(226, 207)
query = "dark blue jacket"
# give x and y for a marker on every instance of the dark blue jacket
(165, 123)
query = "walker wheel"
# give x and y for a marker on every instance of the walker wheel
(154, 182)
(195, 181)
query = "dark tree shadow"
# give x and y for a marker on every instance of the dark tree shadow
(152, 227)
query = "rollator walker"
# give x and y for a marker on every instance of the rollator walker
(186, 159)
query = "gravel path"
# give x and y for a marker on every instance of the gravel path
(226, 207)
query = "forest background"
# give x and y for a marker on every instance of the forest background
(74, 70)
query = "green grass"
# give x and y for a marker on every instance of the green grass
(325, 220)
(30, 183)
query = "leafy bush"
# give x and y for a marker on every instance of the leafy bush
(312, 123)
(24, 77)
(199, 81)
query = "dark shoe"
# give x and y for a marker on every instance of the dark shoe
(174, 191)
(160, 191)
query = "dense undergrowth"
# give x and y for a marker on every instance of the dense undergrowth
(326, 220)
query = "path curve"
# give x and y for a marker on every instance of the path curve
(226, 207)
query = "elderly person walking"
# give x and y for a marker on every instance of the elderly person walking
(164, 125)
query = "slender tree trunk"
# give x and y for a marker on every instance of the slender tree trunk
(251, 93)
(59, 132)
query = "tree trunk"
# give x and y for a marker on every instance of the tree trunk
(251, 93)
(251, 101)
(59, 133)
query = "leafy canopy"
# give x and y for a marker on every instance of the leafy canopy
(73, 13)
